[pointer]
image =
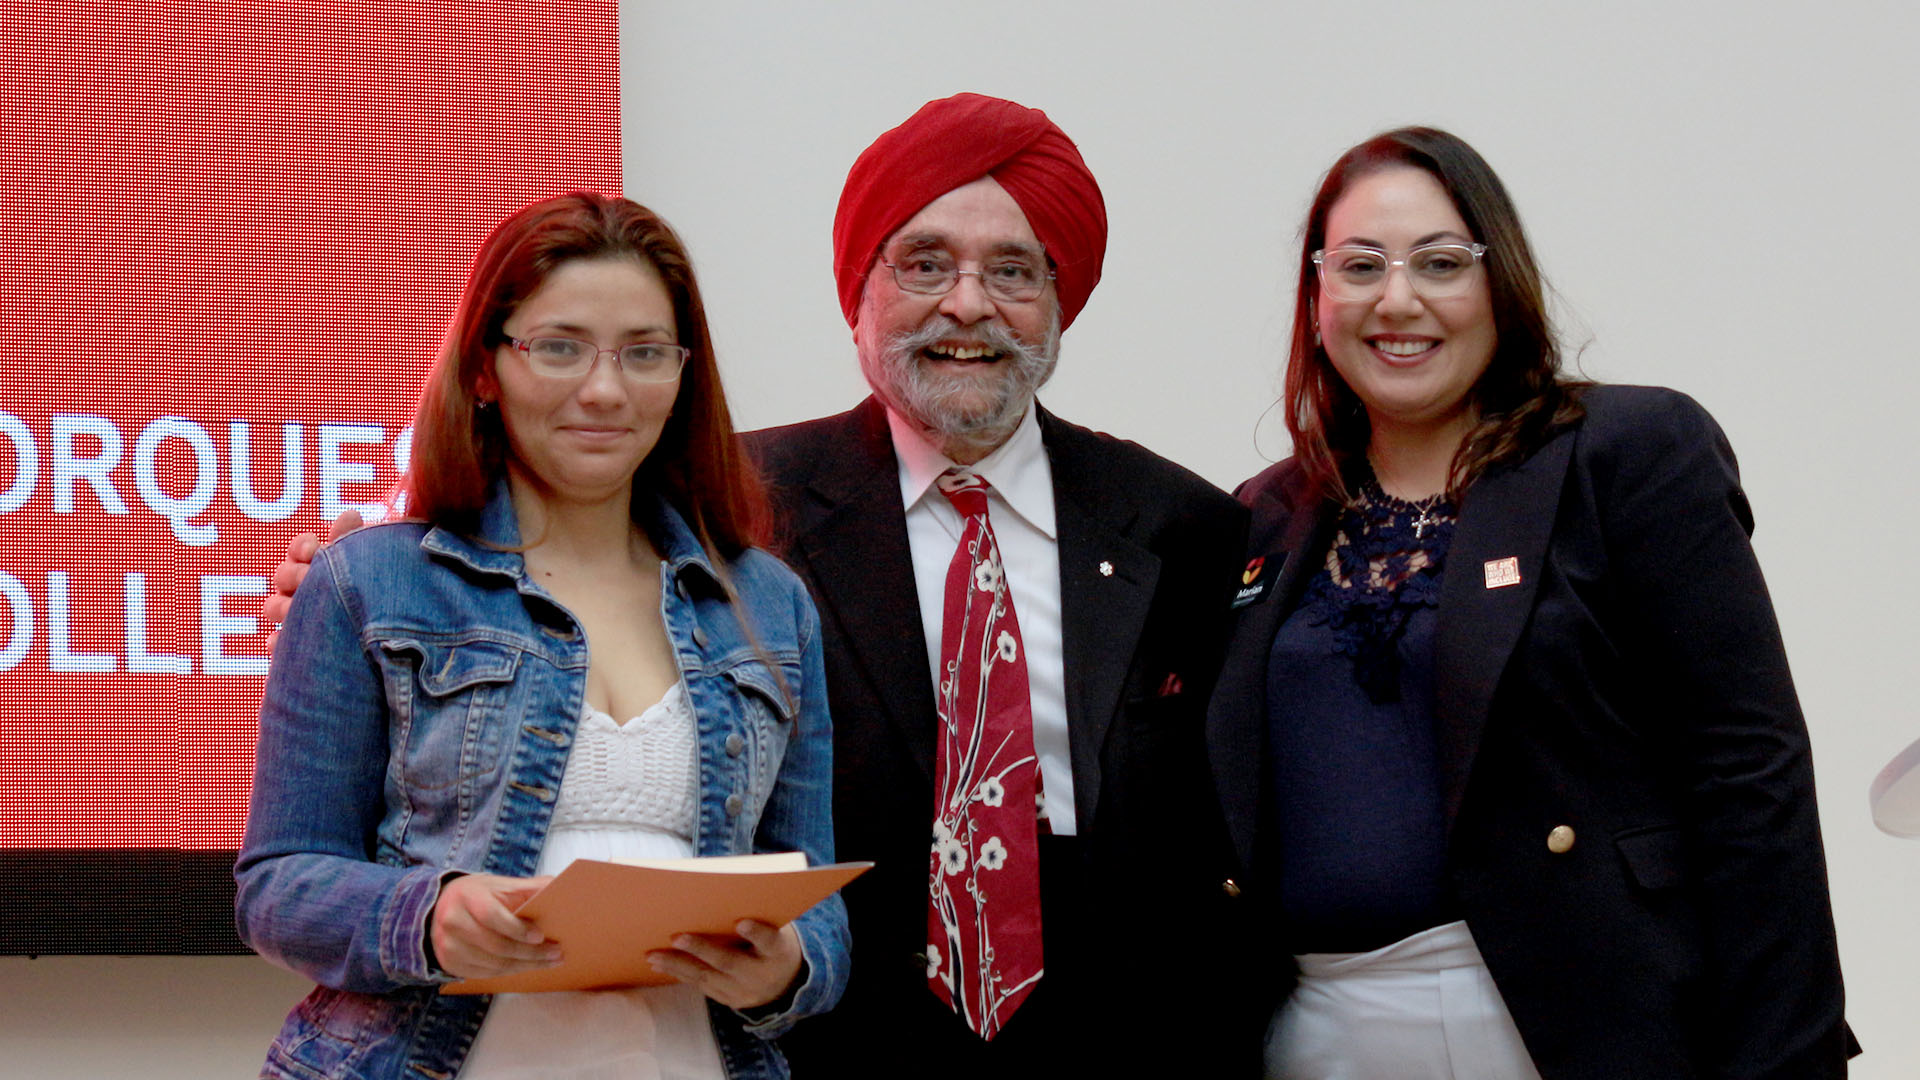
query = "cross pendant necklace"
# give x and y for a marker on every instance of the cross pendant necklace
(1425, 519)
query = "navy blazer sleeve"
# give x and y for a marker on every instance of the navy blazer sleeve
(1695, 615)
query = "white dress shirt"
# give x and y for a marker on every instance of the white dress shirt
(1020, 505)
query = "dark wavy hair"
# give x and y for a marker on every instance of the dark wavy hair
(460, 451)
(1522, 396)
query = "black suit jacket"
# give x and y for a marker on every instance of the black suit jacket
(1633, 687)
(1142, 647)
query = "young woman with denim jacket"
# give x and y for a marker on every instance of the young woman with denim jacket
(574, 480)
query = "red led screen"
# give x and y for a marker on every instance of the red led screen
(233, 235)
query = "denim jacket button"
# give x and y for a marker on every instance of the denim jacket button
(735, 744)
(699, 638)
(734, 805)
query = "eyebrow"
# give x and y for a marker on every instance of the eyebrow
(906, 245)
(567, 329)
(1430, 238)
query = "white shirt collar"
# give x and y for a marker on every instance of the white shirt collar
(1017, 469)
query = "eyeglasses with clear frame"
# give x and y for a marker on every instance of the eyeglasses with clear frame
(1435, 271)
(570, 358)
(1016, 279)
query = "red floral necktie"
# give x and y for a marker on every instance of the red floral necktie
(983, 918)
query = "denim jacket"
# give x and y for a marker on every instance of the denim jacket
(422, 701)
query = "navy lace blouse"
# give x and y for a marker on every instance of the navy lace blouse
(1355, 770)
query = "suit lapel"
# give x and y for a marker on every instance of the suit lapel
(1505, 524)
(1286, 535)
(1101, 614)
(854, 541)
(1307, 534)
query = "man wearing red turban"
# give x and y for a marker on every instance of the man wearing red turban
(967, 239)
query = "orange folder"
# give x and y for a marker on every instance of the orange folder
(608, 915)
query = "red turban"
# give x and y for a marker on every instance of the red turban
(955, 141)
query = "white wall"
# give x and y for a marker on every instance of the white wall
(1724, 193)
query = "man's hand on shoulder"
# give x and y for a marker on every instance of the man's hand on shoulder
(289, 574)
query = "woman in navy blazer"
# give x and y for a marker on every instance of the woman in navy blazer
(1506, 733)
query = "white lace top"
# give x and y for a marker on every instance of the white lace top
(640, 774)
(631, 790)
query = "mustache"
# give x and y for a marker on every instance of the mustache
(943, 330)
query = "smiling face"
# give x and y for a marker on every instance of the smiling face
(1412, 362)
(962, 365)
(581, 439)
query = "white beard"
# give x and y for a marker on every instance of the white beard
(949, 405)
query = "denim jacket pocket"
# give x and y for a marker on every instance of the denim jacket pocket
(449, 701)
(331, 1032)
(775, 687)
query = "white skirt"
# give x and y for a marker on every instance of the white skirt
(1422, 1008)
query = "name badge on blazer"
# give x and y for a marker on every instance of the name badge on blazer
(1259, 574)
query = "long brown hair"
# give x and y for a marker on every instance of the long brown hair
(1521, 397)
(459, 450)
